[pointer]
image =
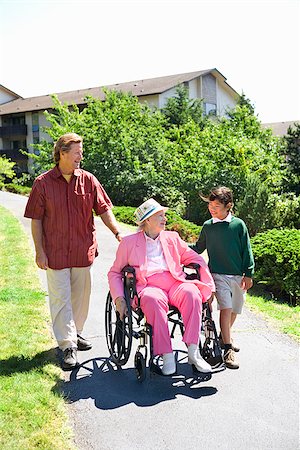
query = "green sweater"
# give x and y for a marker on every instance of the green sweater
(228, 247)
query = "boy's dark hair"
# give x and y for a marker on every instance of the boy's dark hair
(221, 193)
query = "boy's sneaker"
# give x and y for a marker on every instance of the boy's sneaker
(234, 347)
(69, 359)
(229, 359)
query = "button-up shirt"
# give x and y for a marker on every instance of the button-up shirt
(156, 262)
(66, 212)
(227, 219)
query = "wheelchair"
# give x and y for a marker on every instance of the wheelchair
(121, 333)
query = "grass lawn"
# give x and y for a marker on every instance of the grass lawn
(281, 315)
(32, 412)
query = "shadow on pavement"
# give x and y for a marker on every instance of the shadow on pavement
(110, 387)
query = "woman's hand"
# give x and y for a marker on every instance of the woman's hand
(121, 307)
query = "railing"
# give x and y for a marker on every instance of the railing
(13, 154)
(13, 130)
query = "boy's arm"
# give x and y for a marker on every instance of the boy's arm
(200, 245)
(248, 260)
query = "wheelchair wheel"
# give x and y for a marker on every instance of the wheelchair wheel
(140, 366)
(118, 332)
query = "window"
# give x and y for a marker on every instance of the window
(35, 122)
(210, 109)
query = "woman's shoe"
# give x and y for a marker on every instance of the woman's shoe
(169, 365)
(196, 359)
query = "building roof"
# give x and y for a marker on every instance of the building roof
(280, 128)
(8, 91)
(138, 88)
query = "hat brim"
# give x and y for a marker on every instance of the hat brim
(154, 211)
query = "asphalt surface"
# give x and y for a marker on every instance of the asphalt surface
(254, 407)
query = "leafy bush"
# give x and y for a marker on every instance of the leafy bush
(6, 169)
(288, 211)
(187, 231)
(124, 214)
(277, 262)
(17, 188)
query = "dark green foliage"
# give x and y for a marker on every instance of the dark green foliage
(180, 109)
(125, 214)
(17, 189)
(188, 231)
(292, 154)
(175, 154)
(277, 262)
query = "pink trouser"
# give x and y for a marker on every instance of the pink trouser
(163, 290)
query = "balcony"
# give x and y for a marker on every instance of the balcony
(13, 154)
(13, 130)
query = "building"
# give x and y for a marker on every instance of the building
(280, 128)
(21, 118)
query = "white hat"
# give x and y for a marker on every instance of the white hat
(147, 209)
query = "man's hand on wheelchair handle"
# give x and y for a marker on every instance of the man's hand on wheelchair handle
(121, 307)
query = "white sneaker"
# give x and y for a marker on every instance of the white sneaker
(169, 365)
(195, 358)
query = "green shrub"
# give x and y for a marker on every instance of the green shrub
(187, 231)
(6, 169)
(288, 211)
(17, 189)
(277, 262)
(124, 214)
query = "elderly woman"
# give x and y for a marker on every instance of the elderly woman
(158, 256)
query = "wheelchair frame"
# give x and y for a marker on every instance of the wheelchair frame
(120, 333)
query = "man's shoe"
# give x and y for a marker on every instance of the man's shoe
(69, 359)
(196, 359)
(169, 365)
(83, 344)
(234, 347)
(229, 359)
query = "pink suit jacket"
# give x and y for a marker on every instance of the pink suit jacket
(132, 252)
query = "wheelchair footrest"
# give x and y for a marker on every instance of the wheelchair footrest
(200, 375)
(216, 362)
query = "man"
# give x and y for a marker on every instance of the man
(61, 207)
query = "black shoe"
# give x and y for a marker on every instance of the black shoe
(83, 344)
(69, 359)
(233, 346)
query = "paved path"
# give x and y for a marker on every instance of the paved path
(255, 407)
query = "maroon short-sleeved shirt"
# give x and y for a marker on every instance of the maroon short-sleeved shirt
(66, 212)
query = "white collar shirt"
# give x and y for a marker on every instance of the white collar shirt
(227, 219)
(156, 262)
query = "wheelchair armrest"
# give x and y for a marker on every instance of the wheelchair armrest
(195, 266)
(193, 271)
(128, 269)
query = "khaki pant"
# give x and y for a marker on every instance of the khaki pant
(69, 297)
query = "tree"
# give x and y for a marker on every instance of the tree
(180, 108)
(292, 154)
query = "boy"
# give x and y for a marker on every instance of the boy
(231, 263)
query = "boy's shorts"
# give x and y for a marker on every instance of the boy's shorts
(229, 292)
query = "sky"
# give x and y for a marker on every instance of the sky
(50, 46)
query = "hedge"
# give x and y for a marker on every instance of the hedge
(277, 262)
